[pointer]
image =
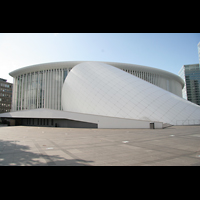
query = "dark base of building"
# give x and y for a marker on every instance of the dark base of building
(57, 118)
(50, 123)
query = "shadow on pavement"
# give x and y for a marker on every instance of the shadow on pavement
(15, 154)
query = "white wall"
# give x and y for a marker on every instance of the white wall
(102, 121)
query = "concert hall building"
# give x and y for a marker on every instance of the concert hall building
(99, 95)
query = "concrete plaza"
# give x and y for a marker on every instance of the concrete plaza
(48, 146)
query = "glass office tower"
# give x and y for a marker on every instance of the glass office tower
(5, 95)
(199, 51)
(191, 76)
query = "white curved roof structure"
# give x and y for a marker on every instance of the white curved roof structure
(71, 64)
(100, 89)
(161, 78)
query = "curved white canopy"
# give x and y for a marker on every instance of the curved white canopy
(101, 89)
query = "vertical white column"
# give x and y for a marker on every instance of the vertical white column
(33, 89)
(30, 90)
(46, 88)
(43, 89)
(56, 90)
(31, 103)
(38, 89)
(34, 93)
(25, 85)
(22, 98)
(57, 84)
(32, 81)
(167, 85)
(18, 95)
(150, 77)
(25, 88)
(59, 77)
(61, 87)
(27, 92)
(49, 89)
(157, 79)
(53, 91)
(22, 81)
(154, 79)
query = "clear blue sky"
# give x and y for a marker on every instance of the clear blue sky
(169, 51)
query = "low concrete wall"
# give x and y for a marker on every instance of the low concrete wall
(79, 120)
(158, 125)
(111, 122)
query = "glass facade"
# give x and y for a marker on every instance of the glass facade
(199, 51)
(39, 89)
(5, 95)
(191, 75)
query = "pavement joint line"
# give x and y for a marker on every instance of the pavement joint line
(67, 152)
(49, 161)
(163, 148)
(165, 159)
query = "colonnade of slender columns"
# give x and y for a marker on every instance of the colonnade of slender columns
(39, 89)
(147, 76)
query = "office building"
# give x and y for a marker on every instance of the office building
(5, 96)
(191, 76)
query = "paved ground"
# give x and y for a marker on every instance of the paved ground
(23, 145)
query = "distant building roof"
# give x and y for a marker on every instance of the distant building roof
(1, 79)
